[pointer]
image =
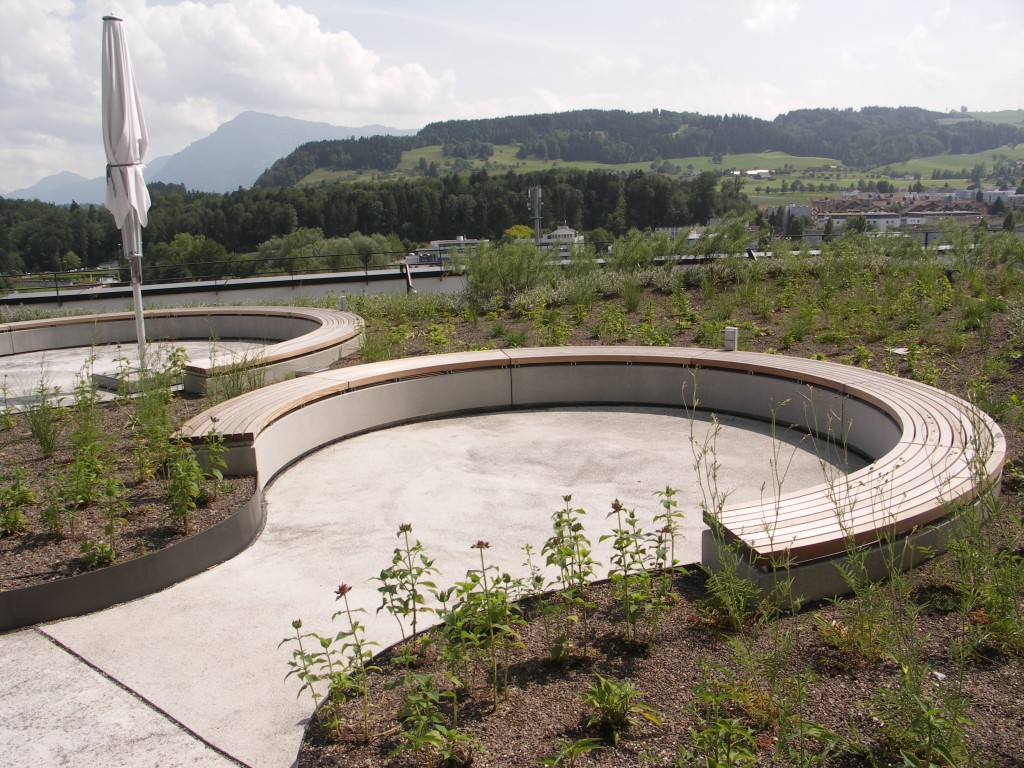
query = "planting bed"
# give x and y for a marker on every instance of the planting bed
(38, 557)
(544, 708)
(58, 504)
(954, 624)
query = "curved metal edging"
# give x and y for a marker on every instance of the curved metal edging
(121, 582)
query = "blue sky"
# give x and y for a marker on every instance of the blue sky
(400, 63)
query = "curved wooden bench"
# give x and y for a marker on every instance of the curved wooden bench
(927, 449)
(306, 337)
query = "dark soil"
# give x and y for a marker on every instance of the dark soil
(542, 705)
(38, 556)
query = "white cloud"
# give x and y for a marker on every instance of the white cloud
(201, 62)
(198, 65)
(260, 54)
(917, 35)
(602, 64)
(768, 15)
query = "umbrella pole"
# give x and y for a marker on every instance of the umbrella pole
(133, 252)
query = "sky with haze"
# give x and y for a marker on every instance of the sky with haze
(199, 63)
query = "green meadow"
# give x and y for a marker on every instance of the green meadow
(925, 165)
(1003, 117)
(789, 168)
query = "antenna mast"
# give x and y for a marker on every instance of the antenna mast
(535, 206)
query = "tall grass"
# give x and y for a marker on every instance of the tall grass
(245, 372)
(505, 271)
(44, 416)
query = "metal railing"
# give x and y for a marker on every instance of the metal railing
(203, 271)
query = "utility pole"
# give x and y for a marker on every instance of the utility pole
(535, 206)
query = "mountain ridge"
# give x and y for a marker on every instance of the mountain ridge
(233, 156)
(256, 149)
(865, 138)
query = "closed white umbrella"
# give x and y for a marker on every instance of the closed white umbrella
(125, 140)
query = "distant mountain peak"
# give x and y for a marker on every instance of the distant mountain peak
(63, 188)
(233, 156)
(241, 149)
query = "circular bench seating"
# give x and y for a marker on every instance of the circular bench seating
(926, 449)
(306, 338)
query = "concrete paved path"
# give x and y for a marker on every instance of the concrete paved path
(21, 375)
(57, 710)
(193, 675)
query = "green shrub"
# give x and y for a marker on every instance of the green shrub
(632, 292)
(505, 271)
(386, 343)
(184, 483)
(612, 325)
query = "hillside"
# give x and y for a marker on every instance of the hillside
(866, 138)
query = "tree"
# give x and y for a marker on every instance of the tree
(856, 224)
(795, 227)
(703, 199)
(615, 221)
(293, 251)
(185, 256)
(70, 261)
(652, 201)
(777, 220)
(517, 232)
(732, 197)
(830, 231)
(600, 238)
(1009, 223)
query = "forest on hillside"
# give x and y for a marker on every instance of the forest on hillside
(205, 227)
(864, 138)
(187, 227)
